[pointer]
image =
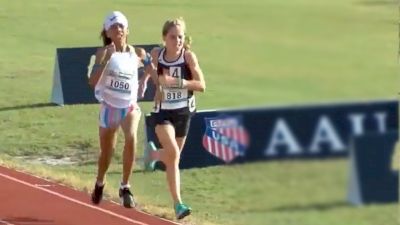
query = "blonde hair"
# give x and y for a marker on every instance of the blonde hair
(177, 22)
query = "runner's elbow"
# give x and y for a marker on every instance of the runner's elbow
(92, 83)
(202, 87)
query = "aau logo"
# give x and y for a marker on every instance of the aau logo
(225, 137)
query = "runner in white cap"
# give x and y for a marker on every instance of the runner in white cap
(115, 78)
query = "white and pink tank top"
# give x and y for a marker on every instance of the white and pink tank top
(118, 86)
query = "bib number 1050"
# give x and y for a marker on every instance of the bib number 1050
(119, 84)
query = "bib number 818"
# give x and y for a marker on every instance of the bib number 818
(174, 95)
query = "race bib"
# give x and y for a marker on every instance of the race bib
(119, 83)
(173, 95)
(175, 98)
(175, 71)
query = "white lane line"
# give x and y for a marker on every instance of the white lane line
(5, 222)
(72, 200)
(44, 185)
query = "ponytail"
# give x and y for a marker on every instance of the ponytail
(188, 42)
(103, 36)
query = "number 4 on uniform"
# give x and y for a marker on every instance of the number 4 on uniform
(175, 71)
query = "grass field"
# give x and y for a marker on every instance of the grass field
(252, 53)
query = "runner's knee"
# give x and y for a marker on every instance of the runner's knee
(172, 155)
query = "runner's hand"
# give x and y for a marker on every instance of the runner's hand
(110, 49)
(168, 81)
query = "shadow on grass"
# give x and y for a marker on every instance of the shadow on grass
(28, 106)
(378, 2)
(311, 207)
(114, 172)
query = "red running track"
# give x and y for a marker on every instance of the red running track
(29, 200)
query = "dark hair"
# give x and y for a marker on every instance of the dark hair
(107, 40)
(103, 36)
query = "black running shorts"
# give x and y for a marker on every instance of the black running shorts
(178, 118)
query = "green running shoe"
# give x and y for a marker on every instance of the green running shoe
(149, 162)
(182, 210)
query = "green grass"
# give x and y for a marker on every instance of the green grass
(252, 53)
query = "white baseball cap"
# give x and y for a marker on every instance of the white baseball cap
(113, 18)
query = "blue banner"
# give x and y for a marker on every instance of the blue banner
(374, 177)
(295, 132)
